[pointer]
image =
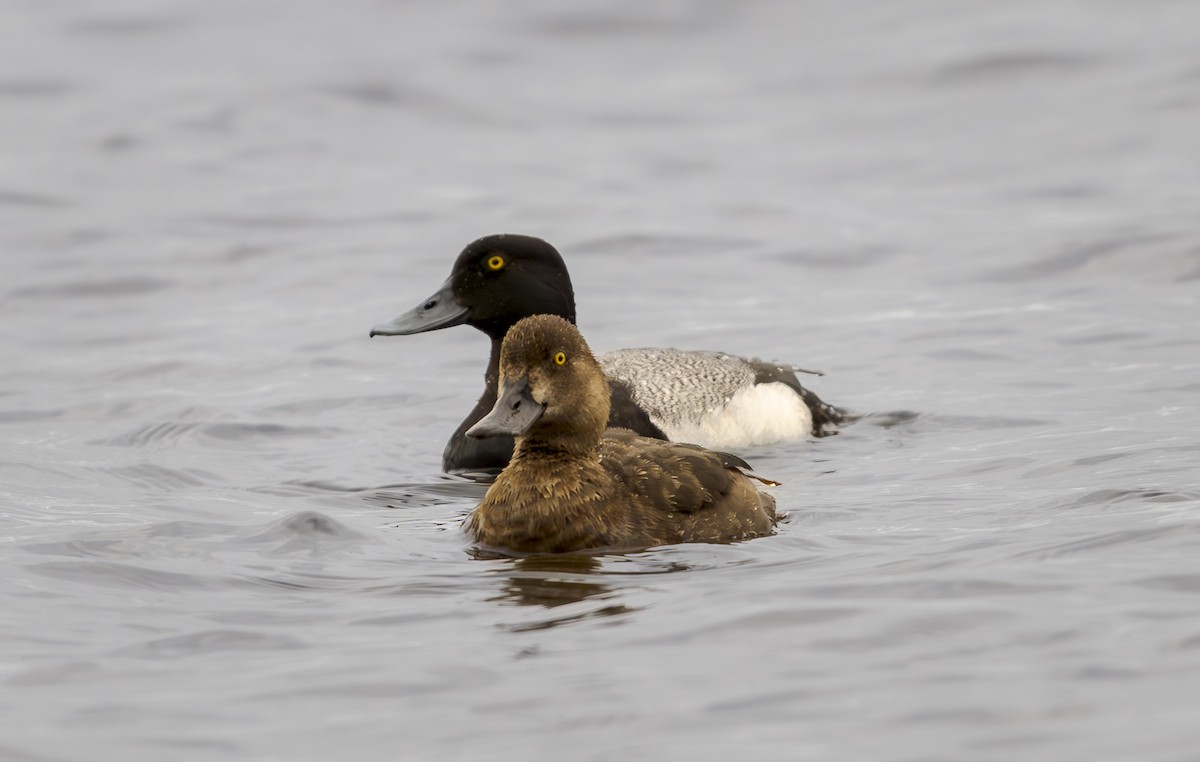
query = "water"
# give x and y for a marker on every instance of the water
(225, 530)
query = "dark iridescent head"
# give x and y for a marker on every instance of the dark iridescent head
(496, 281)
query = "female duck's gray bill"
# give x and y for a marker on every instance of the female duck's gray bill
(512, 415)
(438, 311)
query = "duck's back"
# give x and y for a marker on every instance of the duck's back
(716, 399)
(684, 493)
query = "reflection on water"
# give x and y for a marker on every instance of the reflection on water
(553, 580)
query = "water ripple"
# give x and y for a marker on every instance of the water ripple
(1111, 539)
(1003, 67)
(242, 432)
(99, 289)
(210, 641)
(28, 199)
(154, 435)
(1174, 583)
(122, 576)
(1079, 256)
(307, 532)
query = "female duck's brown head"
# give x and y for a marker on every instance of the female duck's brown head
(553, 394)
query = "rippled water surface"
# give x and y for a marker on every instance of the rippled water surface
(225, 530)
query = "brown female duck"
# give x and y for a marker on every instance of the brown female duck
(571, 485)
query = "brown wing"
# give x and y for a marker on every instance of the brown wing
(671, 475)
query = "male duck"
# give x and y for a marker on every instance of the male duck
(709, 398)
(573, 486)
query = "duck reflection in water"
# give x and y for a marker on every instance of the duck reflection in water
(554, 580)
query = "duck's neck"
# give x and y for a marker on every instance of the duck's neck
(538, 472)
(491, 376)
(491, 386)
(466, 454)
(568, 440)
(540, 452)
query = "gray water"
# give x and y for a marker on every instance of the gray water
(225, 530)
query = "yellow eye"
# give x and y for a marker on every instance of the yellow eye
(560, 358)
(495, 262)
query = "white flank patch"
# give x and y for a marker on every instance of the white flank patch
(754, 415)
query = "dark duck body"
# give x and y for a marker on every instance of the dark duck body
(573, 485)
(711, 398)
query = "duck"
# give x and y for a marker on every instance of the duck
(574, 484)
(709, 398)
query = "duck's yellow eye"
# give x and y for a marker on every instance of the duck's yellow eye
(560, 358)
(495, 262)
